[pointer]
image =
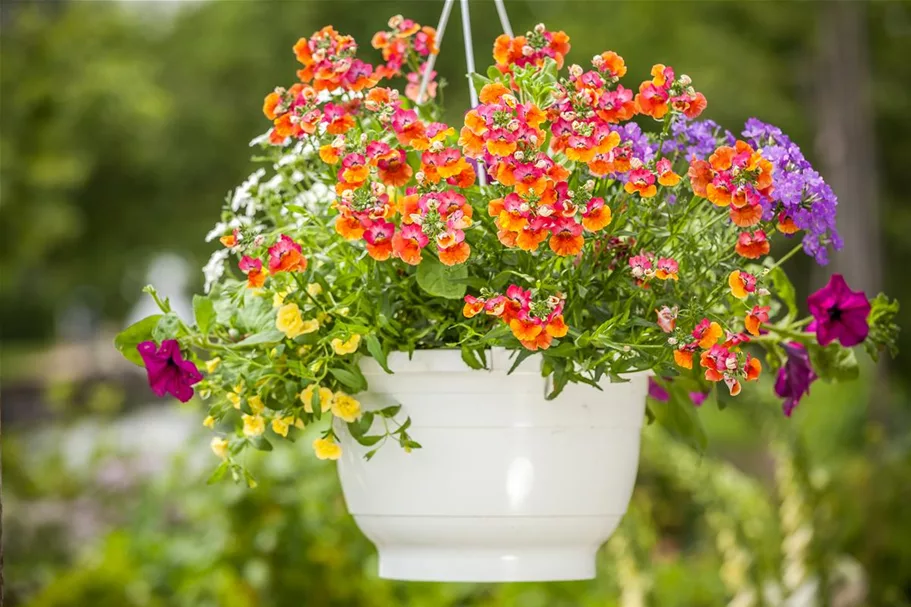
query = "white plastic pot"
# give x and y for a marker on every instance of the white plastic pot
(508, 485)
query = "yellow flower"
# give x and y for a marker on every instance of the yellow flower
(254, 425)
(212, 364)
(322, 316)
(310, 326)
(289, 320)
(326, 448)
(343, 311)
(279, 298)
(314, 289)
(256, 404)
(219, 447)
(209, 422)
(299, 423)
(346, 347)
(346, 407)
(234, 397)
(325, 398)
(280, 425)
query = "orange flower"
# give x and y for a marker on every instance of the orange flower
(597, 218)
(500, 146)
(473, 306)
(719, 195)
(329, 154)
(641, 180)
(557, 327)
(753, 368)
(700, 174)
(472, 144)
(722, 158)
(229, 240)
(541, 342)
(755, 318)
(455, 254)
(341, 125)
(529, 240)
(741, 284)
(492, 92)
(613, 63)
(524, 330)
(270, 103)
(786, 225)
(711, 335)
(683, 358)
(507, 238)
(752, 246)
(348, 227)
(566, 244)
(746, 216)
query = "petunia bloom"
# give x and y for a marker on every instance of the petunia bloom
(168, 372)
(795, 377)
(839, 313)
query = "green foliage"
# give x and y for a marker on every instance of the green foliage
(127, 340)
(884, 332)
(442, 281)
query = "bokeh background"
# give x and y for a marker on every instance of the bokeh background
(125, 123)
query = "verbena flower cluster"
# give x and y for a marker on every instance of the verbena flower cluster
(617, 232)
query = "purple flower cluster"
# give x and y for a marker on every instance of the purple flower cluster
(642, 148)
(799, 191)
(695, 138)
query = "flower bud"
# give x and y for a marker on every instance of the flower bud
(540, 28)
(575, 70)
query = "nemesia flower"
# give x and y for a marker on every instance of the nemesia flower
(741, 284)
(794, 377)
(641, 181)
(531, 49)
(755, 317)
(752, 246)
(379, 239)
(667, 318)
(839, 313)
(667, 269)
(533, 320)
(253, 268)
(666, 92)
(167, 371)
(666, 174)
(641, 266)
(707, 333)
(285, 256)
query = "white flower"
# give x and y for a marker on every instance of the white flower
(215, 268)
(273, 183)
(242, 196)
(260, 139)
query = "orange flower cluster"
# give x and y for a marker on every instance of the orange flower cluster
(534, 322)
(531, 49)
(721, 361)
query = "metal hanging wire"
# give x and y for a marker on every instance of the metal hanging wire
(469, 54)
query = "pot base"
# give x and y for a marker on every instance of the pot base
(487, 549)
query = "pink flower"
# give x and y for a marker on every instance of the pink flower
(667, 318)
(839, 313)
(285, 256)
(168, 372)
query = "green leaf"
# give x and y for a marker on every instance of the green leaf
(479, 81)
(354, 380)
(493, 73)
(360, 427)
(474, 358)
(269, 336)
(834, 362)
(204, 312)
(127, 340)
(369, 441)
(522, 355)
(168, 327)
(261, 443)
(883, 330)
(376, 351)
(390, 412)
(784, 290)
(442, 281)
(218, 473)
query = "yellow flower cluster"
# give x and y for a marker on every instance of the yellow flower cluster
(346, 347)
(327, 448)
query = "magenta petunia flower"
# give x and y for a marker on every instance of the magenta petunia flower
(657, 391)
(795, 377)
(839, 313)
(168, 371)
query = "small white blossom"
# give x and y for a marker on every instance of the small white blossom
(215, 268)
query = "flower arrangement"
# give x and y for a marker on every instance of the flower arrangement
(616, 232)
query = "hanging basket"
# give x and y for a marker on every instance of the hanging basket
(508, 486)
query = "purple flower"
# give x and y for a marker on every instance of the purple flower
(697, 138)
(839, 313)
(698, 398)
(799, 192)
(657, 391)
(795, 377)
(168, 371)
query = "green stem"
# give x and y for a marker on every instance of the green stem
(788, 256)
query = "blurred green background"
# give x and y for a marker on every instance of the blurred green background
(123, 124)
